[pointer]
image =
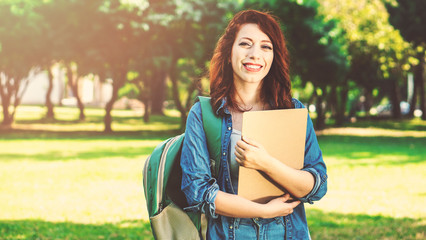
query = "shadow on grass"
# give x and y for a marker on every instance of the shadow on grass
(326, 225)
(97, 153)
(362, 151)
(38, 229)
(322, 225)
(99, 119)
(87, 135)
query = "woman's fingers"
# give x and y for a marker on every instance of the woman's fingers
(286, 197)
(250, 141)
(239, 149)
(251, 156)
(281, 207)
(294, 204)
(239, 157)
(242, 145)
(240, 152)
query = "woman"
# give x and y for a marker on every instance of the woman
(249, 72)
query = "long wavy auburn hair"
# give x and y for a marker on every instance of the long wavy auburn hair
(276, 86)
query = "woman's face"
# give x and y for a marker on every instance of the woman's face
(252, 54)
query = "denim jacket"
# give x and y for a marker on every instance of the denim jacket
(201, 188)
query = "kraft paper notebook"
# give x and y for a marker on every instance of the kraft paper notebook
(283, 134)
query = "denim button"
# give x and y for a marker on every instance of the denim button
(230, 227)
(224, 153)
(229, 128)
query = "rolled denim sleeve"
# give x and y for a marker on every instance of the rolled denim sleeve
(313, 163)
(199, 186)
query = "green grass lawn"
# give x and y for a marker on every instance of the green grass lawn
(65, 179)
(376, 189)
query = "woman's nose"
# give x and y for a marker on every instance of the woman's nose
(254, 52)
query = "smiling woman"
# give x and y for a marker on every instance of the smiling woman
(249, 71)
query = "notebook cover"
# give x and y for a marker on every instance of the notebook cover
(283, 134)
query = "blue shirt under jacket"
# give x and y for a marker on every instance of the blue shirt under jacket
(201, 188)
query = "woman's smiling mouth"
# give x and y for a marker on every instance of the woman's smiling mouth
(252, 67)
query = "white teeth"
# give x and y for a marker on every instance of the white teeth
(253, 66)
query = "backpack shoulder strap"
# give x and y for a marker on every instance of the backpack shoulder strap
(213, 128)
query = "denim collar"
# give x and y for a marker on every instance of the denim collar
(222, 107)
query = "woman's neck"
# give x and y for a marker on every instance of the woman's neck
(248, 95)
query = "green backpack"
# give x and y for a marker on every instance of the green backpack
(162, 177)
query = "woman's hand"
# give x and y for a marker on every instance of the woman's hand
(251, 154)
(232, 205)
(278, 207)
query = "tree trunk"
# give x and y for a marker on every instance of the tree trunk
(340, 117)
(175, 93)
(108, 108)
(80, 105)
(11, 90)
(334, 102)
(368, 101)
(158, 91)
(320, 121)
(50, 113)
(73, 83)
(395, 98)
(147, 98)
(147, 111)
(61, 86)
(7, 121)
(118, 82)
(419, 76)
(145, 95)
(5, 102)
(419, 87)
(413, 100)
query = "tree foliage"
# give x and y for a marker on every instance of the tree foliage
(409, 17)
(378, 54)
(340, 49)
(19, 50)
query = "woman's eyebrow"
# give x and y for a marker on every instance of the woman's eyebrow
(247, 38)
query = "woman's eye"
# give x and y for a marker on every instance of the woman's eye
(244, 44)
(267, 47)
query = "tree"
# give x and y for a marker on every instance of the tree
(188, 31)
(65, 39)
(409, 17)
(377, 53)
(19, 35)
(115, 36)
(151, 81)
(73, 83)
